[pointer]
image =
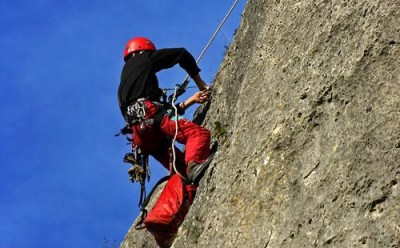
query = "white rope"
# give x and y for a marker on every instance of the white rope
(217, 31)
(176, 133)
(185, 81)
(212, 38)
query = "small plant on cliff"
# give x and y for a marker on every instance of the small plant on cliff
(220, 131)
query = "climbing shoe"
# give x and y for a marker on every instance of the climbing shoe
(195, 171)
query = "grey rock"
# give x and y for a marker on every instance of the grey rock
(142, 238)
(306, 110)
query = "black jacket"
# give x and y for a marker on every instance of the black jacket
(138, 78)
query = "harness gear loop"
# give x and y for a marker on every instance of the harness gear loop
(136, 113)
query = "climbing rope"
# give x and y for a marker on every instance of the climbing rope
(181, 88)
(176, 134)
(186, 80)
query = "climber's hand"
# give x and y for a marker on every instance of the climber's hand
(200, 96)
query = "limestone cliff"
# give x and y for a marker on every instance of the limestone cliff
(306, 111)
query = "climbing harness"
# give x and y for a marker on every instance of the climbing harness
(136, 114)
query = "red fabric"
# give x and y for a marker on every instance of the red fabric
(152, 140)
(173, 204)
(195, 137)
(170, 210)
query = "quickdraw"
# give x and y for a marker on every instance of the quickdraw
(136, 113)
(139, 171)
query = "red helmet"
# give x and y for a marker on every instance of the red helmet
(138, 44)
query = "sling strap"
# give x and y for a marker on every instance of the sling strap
(145, 202)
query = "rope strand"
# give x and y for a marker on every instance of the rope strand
(186, 81)
(176, 134)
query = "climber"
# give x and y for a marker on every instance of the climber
(140, 102)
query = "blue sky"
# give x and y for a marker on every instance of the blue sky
(62, 180)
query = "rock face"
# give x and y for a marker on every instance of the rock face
(306, 111)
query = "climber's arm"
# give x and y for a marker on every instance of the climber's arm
(198, 97)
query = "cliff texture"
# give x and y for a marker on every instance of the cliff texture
(306, 111)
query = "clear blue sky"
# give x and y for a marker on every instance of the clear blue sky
(62, 180)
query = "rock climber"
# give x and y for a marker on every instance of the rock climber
(140, 102)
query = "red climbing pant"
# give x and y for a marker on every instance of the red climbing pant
(153, 140)
(169, 211)
(173, 204)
